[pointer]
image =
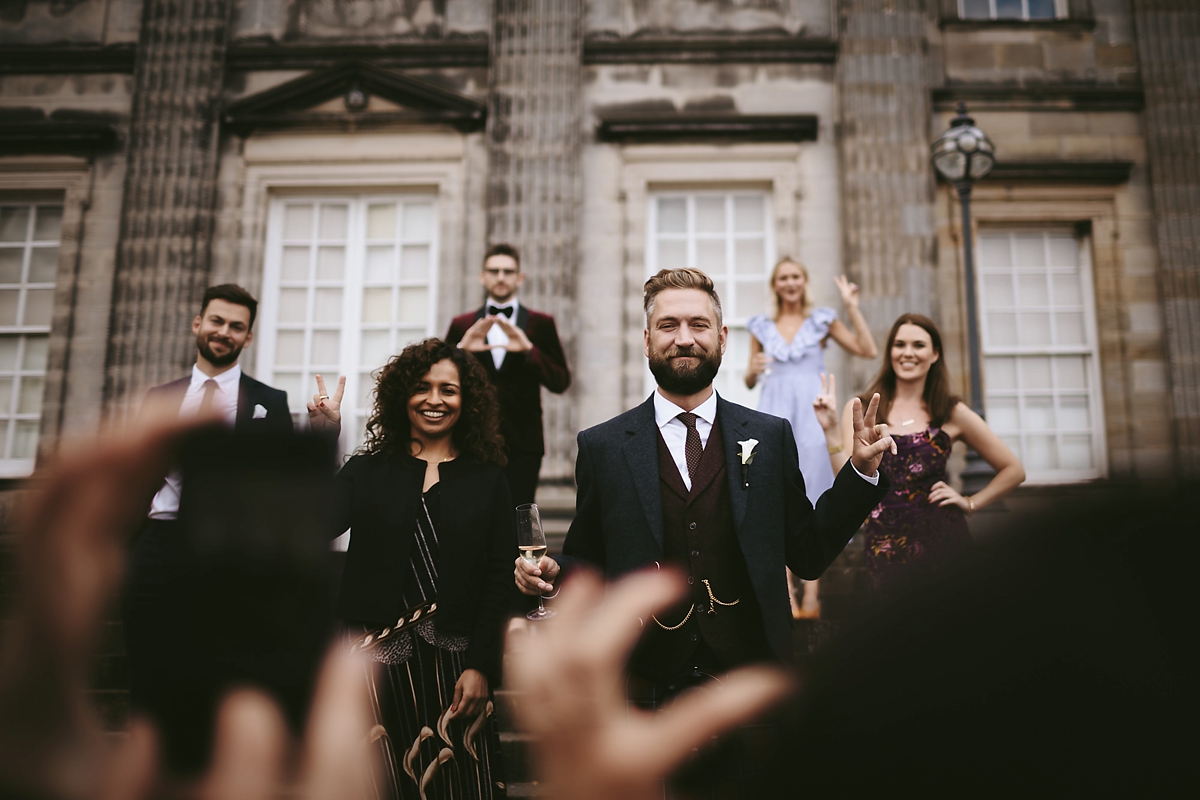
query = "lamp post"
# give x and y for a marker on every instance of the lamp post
(963, 155)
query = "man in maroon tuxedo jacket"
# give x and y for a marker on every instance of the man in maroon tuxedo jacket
(520, 350)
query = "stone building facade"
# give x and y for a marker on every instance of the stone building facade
(349, 161)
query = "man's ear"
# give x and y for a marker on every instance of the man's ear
(249, 337)
(724, 339)
(646, 342)
(518, 280)
(196, 325)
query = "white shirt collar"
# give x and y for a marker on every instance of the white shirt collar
(227, 381)
(665, 410)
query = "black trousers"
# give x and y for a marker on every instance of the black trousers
(522, 473)
(150, 612)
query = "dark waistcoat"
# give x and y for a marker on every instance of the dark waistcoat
(699, 538)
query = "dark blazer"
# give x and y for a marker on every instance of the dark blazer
(618, 524)
(377, 498)
(251, 393)
(521, 375)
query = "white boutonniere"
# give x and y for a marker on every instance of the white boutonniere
(747, 456)
(260, 411)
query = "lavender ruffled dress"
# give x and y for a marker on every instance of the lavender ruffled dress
(793, 384)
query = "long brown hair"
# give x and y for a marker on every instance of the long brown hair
(806, 304)
(477, 433)
(938, 400)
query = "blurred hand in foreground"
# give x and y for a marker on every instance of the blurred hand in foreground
(588, 742)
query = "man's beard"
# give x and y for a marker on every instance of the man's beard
(217, 361)
(678, 379)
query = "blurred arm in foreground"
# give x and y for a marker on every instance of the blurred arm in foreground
(71, 537)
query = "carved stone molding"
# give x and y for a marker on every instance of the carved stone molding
(1096, 173)
(647, 128)
(246, 56)
(74, 59)
(28, 131)
(709, 50)
(1041, 97)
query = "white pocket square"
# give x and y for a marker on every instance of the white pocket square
(260, 411)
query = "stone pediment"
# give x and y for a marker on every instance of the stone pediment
(355, 94)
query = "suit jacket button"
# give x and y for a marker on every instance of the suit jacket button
(691, 580)
(691, 526)
(692, 637)
(695, 554)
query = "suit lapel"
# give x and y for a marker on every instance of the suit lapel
(734, 429)
(641, 453)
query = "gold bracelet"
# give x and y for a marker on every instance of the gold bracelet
(970, 506)
(833, 451)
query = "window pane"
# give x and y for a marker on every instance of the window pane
(998, 291)
(381, 221)
(326, 348)
(26, 439)
(36, 350)
(14, 223)
(749, 214)
(331, 263)
(1035, 373)
(8, 306)
(1070, 372)
(8, 357)
(381, 262)
(414, 306)
(1002, 414)
(1064, 250)
(1076, 452)
(47, 224)
(294, 266)
(43, 264)
(39, 306)
(710, 256)
(1034, 328)
(414, 262)
(751, 299)
(1039, 414)
(1041, 9)
(293, 305)
(1008, 9)
(11, 259)
(418, 221)
(1001, 329)
(1068, 291)
(29, 400)
(1073, 413)
(377, 305)
(297, 222)
(994, 252)
(333, 221)
(1032, 290)
(6, 396)
(672, 215)
(375, 348)
(710, 215)
(672, 255)
(1001, 373)
(293, 384)
(289, 348)
(749, 256)
(366, 389)
(328, 307)
(976, 9)
(1069, 325)
(1041, 453)
(1028, 250)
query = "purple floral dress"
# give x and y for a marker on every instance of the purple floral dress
(906, 535)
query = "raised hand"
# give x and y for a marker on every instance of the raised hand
(518, 342)
(475, 339)
(870, 439)
(825, 404)
(325, 412)
(942, 494)
(848, 290)
(760, 362)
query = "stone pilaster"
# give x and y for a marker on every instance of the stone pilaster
(887, 181)
(533, 173)
(1168, 40)
(167, 216)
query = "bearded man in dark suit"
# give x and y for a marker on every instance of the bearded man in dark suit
(713, 489)
(216, 387)
(521, 352)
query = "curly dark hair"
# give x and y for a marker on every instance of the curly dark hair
(477, 433)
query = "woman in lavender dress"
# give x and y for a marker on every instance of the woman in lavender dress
(922, 521)
(787, 353)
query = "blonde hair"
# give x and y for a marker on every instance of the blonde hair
(806, 304)
(685, 278)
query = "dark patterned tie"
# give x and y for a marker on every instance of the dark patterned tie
(206, 402)
(692, 449)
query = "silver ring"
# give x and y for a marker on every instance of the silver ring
(322, 397)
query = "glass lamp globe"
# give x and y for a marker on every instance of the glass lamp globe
(963, 152)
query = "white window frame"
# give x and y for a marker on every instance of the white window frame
(352, 294)
(729, 381)
(1060, 12)
(1090, 350)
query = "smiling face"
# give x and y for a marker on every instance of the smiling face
(789, 283)
(684, 341)
(222, 329)
(436, 402)
(501, 277)
(912, 352)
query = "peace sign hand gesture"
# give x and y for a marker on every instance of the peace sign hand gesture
(870, 439)
(825, 404)
(325, 412)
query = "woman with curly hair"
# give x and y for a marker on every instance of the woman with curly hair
(428, 576)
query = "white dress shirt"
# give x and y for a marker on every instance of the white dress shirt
(496, 336)
(225, 398)
(674, 432)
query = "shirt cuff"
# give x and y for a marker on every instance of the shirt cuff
(874, 480)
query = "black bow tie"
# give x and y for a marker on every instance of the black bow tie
(494, 310)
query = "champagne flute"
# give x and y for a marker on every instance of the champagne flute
(531, 542)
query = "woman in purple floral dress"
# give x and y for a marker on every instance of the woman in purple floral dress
(922, 520)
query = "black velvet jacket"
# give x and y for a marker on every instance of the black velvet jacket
(377, 497)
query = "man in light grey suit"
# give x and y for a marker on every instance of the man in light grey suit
(712, 488)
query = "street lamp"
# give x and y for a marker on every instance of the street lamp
(963, 155)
